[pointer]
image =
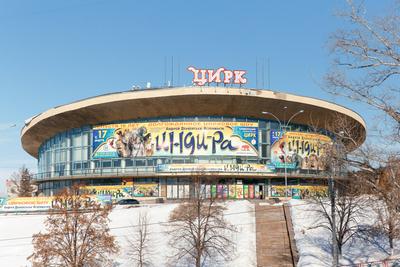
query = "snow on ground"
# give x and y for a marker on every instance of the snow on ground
(314, 245)
(17, 230)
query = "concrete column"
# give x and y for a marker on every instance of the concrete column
(123, 165)
(92, 166)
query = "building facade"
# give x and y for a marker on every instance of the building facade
(245, 143)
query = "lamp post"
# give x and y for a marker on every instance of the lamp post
(283, 130)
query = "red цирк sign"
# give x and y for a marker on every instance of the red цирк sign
(221, 75)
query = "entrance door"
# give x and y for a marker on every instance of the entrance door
(260, 191)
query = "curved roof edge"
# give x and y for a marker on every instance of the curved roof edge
(181, 101)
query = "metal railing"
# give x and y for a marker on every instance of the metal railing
(148, 171)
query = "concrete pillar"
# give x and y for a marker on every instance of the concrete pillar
(123, 165)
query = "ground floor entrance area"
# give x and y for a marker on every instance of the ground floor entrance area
(226, 188)
(239, 188)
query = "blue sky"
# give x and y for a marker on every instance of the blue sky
(55, 52)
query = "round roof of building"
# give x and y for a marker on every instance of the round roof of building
(185, 101)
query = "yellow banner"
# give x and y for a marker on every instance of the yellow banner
(30, 200)
(180, 138)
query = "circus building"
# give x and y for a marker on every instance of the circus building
(150, 143)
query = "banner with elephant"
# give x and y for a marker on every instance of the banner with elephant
(179, 138)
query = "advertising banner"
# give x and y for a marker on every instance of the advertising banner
(123, 191)
(298, 150)
(25, 204)
(218, 168)
(145, 190)
(299, 191)
(115, 191)
(181, 138)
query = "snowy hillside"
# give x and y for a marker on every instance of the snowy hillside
(314, 245)
(16, 232)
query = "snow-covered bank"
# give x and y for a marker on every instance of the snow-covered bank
(16, 232)
(314, 244)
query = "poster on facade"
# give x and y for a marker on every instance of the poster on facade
(220, 191)
(239, 191)
(298, 150)
(122, 191)
(213, 191)
(181, 138)
(299, 191)
(145, 190)
(251, 191)
(115, 191)
(245, 191)
(224, 191)
(232, 190)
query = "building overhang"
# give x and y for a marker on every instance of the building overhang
(185, 101)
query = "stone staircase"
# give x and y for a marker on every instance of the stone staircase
(275, 244)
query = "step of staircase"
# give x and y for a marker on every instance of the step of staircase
(272, 237)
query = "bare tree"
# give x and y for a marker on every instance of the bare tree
(22, 183)
(139, 250)
(76, 235)
(382, 183)
(340, 212)
(348, 211)
(199, 230)
(367, 63)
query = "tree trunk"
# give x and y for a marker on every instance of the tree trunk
(391, 235)
(198, 261)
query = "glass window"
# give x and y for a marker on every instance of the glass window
(140, 162)
(85, 165)
(264, 151)
(63, 155)
(63, 140)
(117, 163)
(106, 164)
(85, 139)
(76, 140)
(85, 153)
(263, 136)
(77, 166)
(58, 156)
(76, 154)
